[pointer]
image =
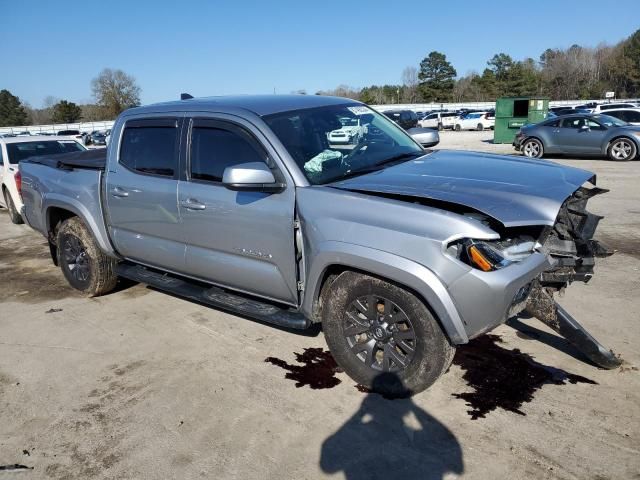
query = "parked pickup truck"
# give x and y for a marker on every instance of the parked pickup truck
(242, 203)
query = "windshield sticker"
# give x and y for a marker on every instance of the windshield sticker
(359, 110)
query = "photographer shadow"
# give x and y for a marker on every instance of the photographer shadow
(389, 440)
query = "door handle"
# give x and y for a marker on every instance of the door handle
(192, 204)
(119, 192)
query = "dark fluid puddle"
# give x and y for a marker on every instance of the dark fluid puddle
(318, 369)
(503, 378)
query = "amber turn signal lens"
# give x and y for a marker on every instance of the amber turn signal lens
(479, 260)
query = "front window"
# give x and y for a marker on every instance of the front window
(609, 121)
(325, 155)
(22, 150)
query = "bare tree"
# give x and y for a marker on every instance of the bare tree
(410, 82)
(115, 91)
(49, 101)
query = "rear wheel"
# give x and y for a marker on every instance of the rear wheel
(83, 264)
(458, 128)
(14, 215)
(622, 149)
(533, 148)
(383, 336)
(440, 127)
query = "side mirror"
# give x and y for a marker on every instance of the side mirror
(584, 128)
(253, 176)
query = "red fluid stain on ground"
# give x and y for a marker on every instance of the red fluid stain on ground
(503, 378)
(317, 370)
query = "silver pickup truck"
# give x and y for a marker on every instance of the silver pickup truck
(243, 203)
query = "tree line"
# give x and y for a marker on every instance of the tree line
(561, 74)
(113, 90)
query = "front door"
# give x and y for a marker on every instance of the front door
(574, 138)
(238, 239)
(141, 193)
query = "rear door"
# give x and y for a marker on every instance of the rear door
(141, 193)
(238, 239)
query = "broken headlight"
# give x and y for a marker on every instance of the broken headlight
(489, 256)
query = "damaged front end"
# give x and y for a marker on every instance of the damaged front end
(571, 250)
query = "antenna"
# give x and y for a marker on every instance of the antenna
(185, 96)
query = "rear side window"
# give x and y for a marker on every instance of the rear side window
(150, 146)
(214, 149)
(632, 116)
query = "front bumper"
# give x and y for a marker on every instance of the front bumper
(518, 141)
(484, 300)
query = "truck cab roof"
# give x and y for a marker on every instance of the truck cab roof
(261, 105)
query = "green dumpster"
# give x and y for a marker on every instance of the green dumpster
(514, 112)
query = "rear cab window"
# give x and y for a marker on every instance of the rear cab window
(150, 146)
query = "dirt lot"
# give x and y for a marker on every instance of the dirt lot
(139, 384)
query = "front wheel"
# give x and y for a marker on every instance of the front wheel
(83, 264)
(622, 149)
(458, 128)
(383, 336)
(533, 148)
(480, 127)
(14, 215)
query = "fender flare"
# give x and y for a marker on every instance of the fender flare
(98, 230)
(393, 267)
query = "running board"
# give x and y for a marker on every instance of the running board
(214, 296)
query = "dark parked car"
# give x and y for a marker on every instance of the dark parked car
(405, 118)
(597, 135)
(97, 138)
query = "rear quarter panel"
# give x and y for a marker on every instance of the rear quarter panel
(78, 191)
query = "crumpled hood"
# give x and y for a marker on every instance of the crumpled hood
(514, 190)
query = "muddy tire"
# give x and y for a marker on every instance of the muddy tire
(383, 336)
(533, 148)
(83, 264)
(14, 215)
(622, 150)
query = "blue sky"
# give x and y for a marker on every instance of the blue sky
(216, 48)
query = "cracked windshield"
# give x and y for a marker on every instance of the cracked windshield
(336, 142)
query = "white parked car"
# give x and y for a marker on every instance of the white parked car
(475, 121)
(605, 107)
(629, 115)
(14, 149)
(350, 133)
(439, 120)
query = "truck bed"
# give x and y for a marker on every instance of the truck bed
(71, 182)
(88, 159)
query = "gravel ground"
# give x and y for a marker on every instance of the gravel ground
(142, 385)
